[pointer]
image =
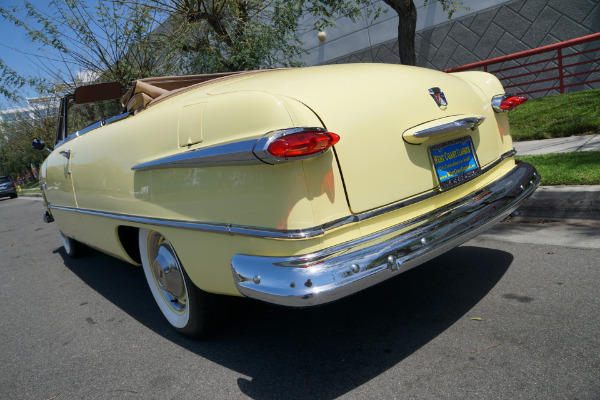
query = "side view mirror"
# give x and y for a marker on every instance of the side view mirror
(39, 145)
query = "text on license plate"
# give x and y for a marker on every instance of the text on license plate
(454, 162)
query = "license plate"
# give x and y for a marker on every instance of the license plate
(454, 162)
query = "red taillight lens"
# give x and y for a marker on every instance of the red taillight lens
(12, 184)
(302, 144)
(512, 102)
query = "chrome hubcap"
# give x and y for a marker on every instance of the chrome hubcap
(167, 271)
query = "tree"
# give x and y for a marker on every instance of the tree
(237, 35)
(36, 121)
(123, 40)
(107, 42)
(78, 44)
(407, 24)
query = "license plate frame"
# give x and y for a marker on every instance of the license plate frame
(454, 162)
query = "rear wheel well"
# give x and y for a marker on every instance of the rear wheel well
(128, 236)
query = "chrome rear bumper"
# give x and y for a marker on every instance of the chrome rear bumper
(345, 269)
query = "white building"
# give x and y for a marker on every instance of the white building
(35, 108)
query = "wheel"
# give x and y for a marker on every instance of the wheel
(188, 309)
(73, 248)
(14, 195)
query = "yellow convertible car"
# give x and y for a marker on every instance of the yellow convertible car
(293, 186)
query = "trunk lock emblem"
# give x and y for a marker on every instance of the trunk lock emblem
(438, 96)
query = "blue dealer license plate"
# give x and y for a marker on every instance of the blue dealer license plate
(454, 162)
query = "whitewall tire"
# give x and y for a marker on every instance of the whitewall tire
(73, 248)
(186, 308)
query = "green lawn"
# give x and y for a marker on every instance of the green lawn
(30, 191)
(579, 168)
(557, 116)
(31, 185)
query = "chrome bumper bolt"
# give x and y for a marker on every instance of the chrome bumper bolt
(391, 262)
(256, 279)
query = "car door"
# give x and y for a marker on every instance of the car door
(58, 181)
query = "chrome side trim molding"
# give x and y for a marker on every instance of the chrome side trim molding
(266, 233)
(339, 271)
(116, 118)
(503, 157)
(233, 153)
(458, 125)
(244, 152)
(93, 126)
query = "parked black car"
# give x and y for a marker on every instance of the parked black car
(7, 187)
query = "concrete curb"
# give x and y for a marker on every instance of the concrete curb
(563, 202)
(30, 195)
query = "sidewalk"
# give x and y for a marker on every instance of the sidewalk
(564, 202)
(559, 145)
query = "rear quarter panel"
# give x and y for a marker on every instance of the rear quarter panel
(288, 196)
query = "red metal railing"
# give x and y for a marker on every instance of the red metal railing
(526, 72)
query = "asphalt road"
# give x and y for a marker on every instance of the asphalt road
(88, 328)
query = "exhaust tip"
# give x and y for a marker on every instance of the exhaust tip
(47, 217)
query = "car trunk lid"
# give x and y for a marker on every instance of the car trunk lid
(377, 111)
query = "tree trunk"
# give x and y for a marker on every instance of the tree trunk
(407, 24)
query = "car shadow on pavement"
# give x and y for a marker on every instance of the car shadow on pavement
(321, 352)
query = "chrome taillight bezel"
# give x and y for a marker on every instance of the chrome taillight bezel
(262, 145)
(497, 102)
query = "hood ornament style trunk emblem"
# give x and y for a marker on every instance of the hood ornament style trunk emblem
(438, 96)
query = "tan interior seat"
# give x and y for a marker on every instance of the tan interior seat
(144, 91)
(148, 91)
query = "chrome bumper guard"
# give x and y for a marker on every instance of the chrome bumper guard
(339, 271)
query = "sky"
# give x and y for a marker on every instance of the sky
(14, 44)
(12, 40)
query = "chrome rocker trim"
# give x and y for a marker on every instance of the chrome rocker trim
(266, 233)
(345, 269)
